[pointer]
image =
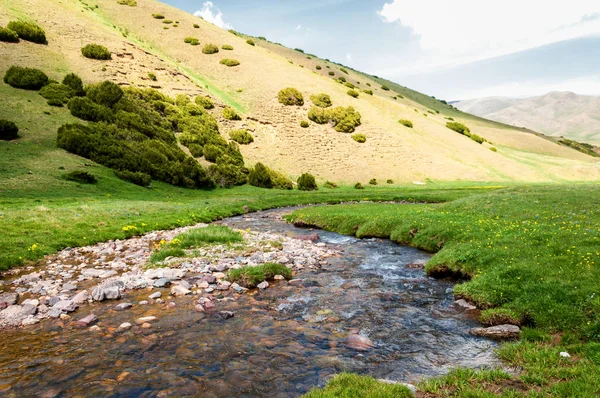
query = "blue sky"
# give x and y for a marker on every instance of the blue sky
(455, 49)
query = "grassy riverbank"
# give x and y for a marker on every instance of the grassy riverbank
(532, 256)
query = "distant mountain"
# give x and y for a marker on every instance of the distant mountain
(567, 114)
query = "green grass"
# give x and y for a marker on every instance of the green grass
(211, 234)
(250, 277)
(346, 385)
(161, 254)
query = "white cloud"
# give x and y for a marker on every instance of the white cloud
(212, 14)
(460, 31)
(298, 27)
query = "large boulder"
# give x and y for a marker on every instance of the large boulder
(110, 290)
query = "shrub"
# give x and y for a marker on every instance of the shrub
(318, 115)
(25, 78)
(477, 139)
(493, 149)
(28, 31)
(227, 175)
(344, 120)
(152, 76)
(212, 152)
(280, 181)
(331, 73)
(197, 237)
(449, 118)
(195, 150)
(290, 96)
(229, 62)
(167, 21)
(230, 114)
(251, 42)
(373, 181)
(84, 108)
(204, 102)
(330, 185)
(82, 177)
(358, 185)
(360, 138)
(370, 92)
(390, 181)
(196, 26)
(8, 35)
(130, 3)
(58, 93)
(95, 51)
(344, 70)
(191, 40)
(227, 47)
(105, 93)
(250, 277)
(163, 253)
(406, 123)
(306, 182)
(158, 16)
(321, 100)
(304, 124)
(241, 137)
(260, 176)
(342, 79)
(352, 93)
(136, 177)
(74, 81)
(349, 85)
(55, 102)
(385, 88)
(459, 128)
(318, 67)
(8, 130)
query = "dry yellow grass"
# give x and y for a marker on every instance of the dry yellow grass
(392, 151)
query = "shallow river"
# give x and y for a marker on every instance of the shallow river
(281, 342)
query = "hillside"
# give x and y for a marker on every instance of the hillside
(141, 44)
(557, 114)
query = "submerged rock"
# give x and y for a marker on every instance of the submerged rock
(360, 343)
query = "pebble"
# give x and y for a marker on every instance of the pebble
(86, 321)
(279, 277)
(155, 295)
(143, 302)
(145, 319)
(125, 326)
(146, 325)
(162, 282)
(180, 291)
(123, 306)
(359, 343)
(263, 285)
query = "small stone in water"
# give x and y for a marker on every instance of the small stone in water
(146, 325)
(143, 302)
(226, 314)
(155, 295)
(123, 306)
(263, 285)
(145, 319)
(125, 326)
(359, 343)
(199, 308)
(171, 305)
(95, 328)
(162, 282)
(86, 321)
(279, 277)
(296, 282)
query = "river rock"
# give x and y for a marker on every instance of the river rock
(359, 343)
(279, 277)
(86, 321)
(30, 320)
(225, 314)
(124, 326)
(110, 290)
(311, 238)
(123, 306)
(296, 282)
(162, 282)
(81, 297)
(238, 289)
(501, 332)
(224, 285)
(65, 306)
(180, 291)
(463, 305)
(155, 295)
(145, 319)
(209, 278)
(9, 299)
(185, 284)
(263, 285)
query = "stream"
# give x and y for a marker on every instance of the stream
(282, 341)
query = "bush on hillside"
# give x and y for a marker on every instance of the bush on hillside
(290, 96)
(280, 181)
(136, 177)
(8, 130)
(344, 70)
(318, 67)
(304, 124)
(406, 123)
(349, 85)
(306, 182)
(167, 21)
(459, 128)
(130, 3)
(196, 26)
(74, 82)
(385, 88)
(344, 120)
(390, 181)
(227, 47)
(196, 150)
(352, 93)
(25, 78)
(28, 31)
(86, 109)
(158, 16)
(251, 42)
(82, 177)
(372, 181)
(493, 149)
(358, 185)
(260, 176)
(96, 51)
(204, 102)
(370, 92)
(191, 40)
(212, 152)
(331, 73)
(229, 62)
(321, 100)
(341, 79)
(210, 49)
(360, 138)
(241, 136)
(57, 93)
(152, 76)
(230, 114)
(318, 115)
(55, 102)
(227, 175)
(330, 185)
(105, 93)
(8, 35)
(477, 139)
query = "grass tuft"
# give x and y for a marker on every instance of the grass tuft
(250, 277)
(349, 385)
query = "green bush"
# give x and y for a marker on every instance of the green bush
(212, 152)
(167, 21)
(372, 181)
(280, 181)
(96, 51)
(86, 109)
(352, 93)
(321, 100)
(152, 76)
(304, 124)
(331, 73)
(105, 93)
(493, 149)
(360, 138)
(344, 120)
(358, 185)
(8, 35)
(250, 277)
(210, 49)
(370, 92)
(55, 102)
(385, 88)
(196, 26)
(390, 181)
(477, 139)
(229, 62)
(8, 130)
(341, 79)
(82, 177)
(251, 42)
(459, 128)
(227, 47)
(290, 96)
(241, 136)
(28, 31)
(306, 182)
(74, 81)
(136, 177)
(230, 114)
(318, 67)
(226, 174)
(318, 115)
(158, 16)
(191, 40)
(260, 176)
(195, 150)
(58, 93)
(330, 185)
(344, 70)
(130, 3)
(25, 78)
(406, 123)
(204, 102)
(349, 85)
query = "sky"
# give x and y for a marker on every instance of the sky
(452, 49)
